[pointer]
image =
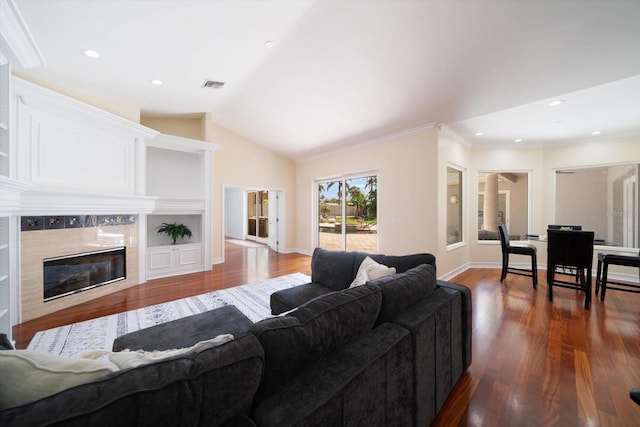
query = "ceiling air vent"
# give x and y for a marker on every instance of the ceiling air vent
(212, 84)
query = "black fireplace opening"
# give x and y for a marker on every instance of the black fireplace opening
(76, 273)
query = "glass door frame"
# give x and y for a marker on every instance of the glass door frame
(342, 181)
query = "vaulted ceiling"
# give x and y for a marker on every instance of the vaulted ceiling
(302, 77)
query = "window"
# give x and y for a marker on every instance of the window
(348, 214)
(601, 199)
(454, 206)
(503, 199)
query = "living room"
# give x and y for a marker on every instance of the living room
(410, 161)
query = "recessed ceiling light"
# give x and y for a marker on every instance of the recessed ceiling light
(556, 102)
(517, 140)
(156, 82)
(269, 44)
(479, 133)
(597, 132)
(91, 53)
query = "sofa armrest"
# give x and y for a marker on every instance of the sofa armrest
(365, 382)
(288, 299)
(467, 316)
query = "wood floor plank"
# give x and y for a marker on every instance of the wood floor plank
(535, 362)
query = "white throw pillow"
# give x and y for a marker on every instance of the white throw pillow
(27, 375)
(130, 359)
(370, 270)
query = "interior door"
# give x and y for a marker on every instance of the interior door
(276, 219)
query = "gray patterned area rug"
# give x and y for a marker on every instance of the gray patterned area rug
(98, 334)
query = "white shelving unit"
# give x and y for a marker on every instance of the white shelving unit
(178, 173)
(5, 321)
(5, 230)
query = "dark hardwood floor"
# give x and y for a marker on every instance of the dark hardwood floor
(535, 363)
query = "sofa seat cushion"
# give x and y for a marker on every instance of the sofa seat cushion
(294, 342)
(288, 299)
(403, 290)
(187, 331)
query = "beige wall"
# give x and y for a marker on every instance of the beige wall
(452, 151)
(186, 127)
(242, 163)
(407, 168)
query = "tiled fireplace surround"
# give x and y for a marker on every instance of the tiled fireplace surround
(37, 244)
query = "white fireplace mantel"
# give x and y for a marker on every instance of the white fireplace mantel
(50, 202)
(70, 158)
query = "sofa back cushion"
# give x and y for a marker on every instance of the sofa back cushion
(333, 269)
(294, 342)
(403, 290)
(337, 269)
(404, 263)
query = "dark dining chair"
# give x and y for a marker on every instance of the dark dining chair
(563, 269)
(602, 280)
(571, 249)
(564, 227)
(508, 249)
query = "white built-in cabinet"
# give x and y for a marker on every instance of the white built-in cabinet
(171, 260)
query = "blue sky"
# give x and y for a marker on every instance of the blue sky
(332, 193)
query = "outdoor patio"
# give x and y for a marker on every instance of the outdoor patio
(365, 242)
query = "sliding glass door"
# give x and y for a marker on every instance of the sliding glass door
(347, 213)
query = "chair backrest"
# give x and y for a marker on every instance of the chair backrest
(504, 237)
(574, 248)
(564, 227)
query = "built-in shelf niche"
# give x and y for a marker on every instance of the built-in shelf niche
(194, 222)
(175, 174)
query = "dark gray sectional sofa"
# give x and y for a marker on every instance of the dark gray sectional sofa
(386, 353)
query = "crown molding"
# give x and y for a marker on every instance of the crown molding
(18, 37)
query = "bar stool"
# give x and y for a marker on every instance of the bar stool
(606, 259)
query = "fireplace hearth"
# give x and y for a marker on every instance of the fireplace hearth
(70, 274)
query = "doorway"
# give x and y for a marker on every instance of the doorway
(255, 214)
(258, 215)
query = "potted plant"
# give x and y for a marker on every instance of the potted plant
(174, 230)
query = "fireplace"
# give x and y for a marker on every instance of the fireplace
(70, 274)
